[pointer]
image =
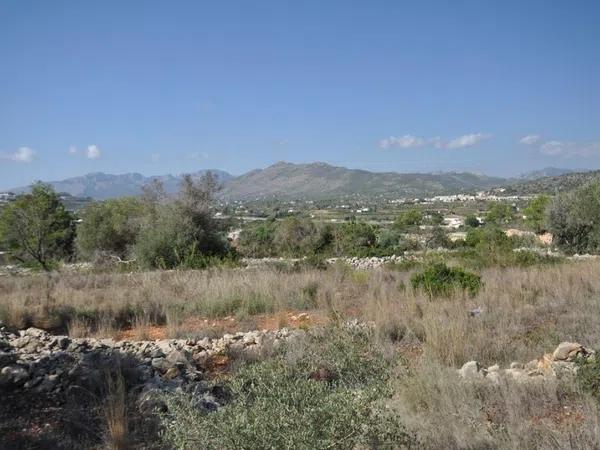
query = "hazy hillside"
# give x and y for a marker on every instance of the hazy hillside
(554, 184)
(546, 172)
(320, 180)
(101, 186)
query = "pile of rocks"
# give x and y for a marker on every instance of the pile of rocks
(35, 361)
(559, 364)
(374, 262)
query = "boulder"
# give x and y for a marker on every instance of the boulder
(471, 371)
(569, 351)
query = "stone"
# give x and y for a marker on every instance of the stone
(177, 357)
(471, 370)
(171, 373)
(7, 358)
(569, 351)
(13, 374)
(160, 364)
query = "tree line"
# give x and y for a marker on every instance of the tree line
(160, 232)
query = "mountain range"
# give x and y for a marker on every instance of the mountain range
(292, 181)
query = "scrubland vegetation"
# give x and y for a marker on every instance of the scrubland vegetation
(388, 380)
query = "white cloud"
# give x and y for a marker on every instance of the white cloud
(22, 155)
(530, 139)
(552, 148)
(72, 150)
(467, 140)
(406, 141)
(92, 152)
(409, 141)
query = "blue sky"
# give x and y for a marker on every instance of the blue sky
(170, 87)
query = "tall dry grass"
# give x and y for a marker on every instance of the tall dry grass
(525, 311)
(115, 411)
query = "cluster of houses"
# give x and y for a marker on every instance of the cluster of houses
(6, 197)
(479, 196)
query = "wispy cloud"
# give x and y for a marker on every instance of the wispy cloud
(530, 139)
(406, 141)
(197, 155)
(72, 150)
(570, 149)
(468, 140)
(92, 152)
(155, 157)
(22, 155)
(409, 141)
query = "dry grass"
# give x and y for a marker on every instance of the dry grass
(525, 311)
(115, 410)
(448, 413)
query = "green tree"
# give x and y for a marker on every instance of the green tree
(411, 218)
(256, 239)
(472, 221)
(499, 213)
(295, 236)
(535, 213)
(355, 239)
(36, 228)
(574, 219)
(183, 232)
(438, 239)
(110, 227)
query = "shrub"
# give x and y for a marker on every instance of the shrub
(535, 213)
(256, 240)
(184, 232)
(440, 280)
(408, 219)
(110, 227)
(472, 221)
(327, 392)
(499, 213)
(588, 376)
(355, 239)
(438, 239)
(295, 237)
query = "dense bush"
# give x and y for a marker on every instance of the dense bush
(110, 227)
(295, 237)
(574, 219)
(440, 280)
(499, 213)
(472, 221)
(438, 239)
(535, 213)
(256, 240)
(183, 232)
(172, 239)
(355, 239)
(588, 376)
(408, 219)
(488, 246)
(328, 392)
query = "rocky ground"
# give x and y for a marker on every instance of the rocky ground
(53, 387)
(559, 364)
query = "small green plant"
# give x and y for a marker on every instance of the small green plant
(439, 280)
(588, 376)
(327, 392)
